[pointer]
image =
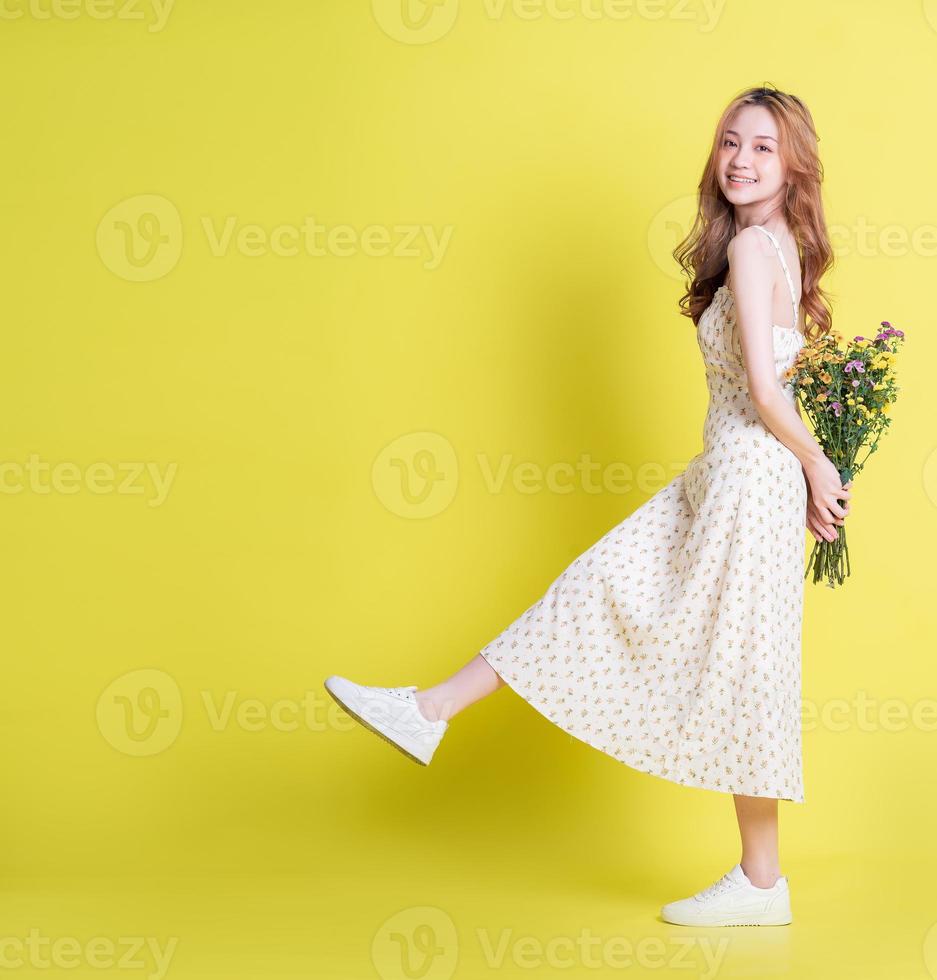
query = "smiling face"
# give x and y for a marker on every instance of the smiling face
(750, 171)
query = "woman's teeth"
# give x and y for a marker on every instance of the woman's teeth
(741, 180)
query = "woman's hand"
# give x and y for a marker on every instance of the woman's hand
(824, 490)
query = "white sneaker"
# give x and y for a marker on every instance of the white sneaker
(733, 901)
(392, 713)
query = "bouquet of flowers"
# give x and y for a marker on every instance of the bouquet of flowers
(846, 394)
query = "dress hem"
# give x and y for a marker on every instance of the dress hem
(635, 764)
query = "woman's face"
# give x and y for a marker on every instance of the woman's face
(749, 164)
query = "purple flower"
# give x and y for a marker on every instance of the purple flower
(858, 338)
(858, 365)
(885, 323)
(837, 407)
(856, 383)
(899, 333)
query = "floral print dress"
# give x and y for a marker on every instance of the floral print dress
(674, 642)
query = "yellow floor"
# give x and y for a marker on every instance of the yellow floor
(500, 914)
(320, 852)
(323, 853)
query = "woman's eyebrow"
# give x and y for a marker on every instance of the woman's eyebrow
(734, 133)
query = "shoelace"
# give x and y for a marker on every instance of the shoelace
(398, 691)
(716, 888)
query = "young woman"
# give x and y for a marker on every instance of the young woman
(674, 643)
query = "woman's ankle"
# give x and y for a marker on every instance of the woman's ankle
(761, 876)
(432, 707)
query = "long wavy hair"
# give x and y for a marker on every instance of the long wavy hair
(702, 254)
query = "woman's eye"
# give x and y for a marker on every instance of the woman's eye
(761, 146)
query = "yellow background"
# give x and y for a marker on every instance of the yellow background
(562, 154)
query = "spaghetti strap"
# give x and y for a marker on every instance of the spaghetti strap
(790, 282)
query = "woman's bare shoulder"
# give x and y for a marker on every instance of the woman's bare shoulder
(750, 241)
(749, 253)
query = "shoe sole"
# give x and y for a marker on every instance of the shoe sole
(354, 714)
(715, 924)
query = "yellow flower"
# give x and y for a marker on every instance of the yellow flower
(821, 397)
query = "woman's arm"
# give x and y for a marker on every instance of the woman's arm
(752, 270)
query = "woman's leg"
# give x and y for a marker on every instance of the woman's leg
(467, 685)
(758, 825)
